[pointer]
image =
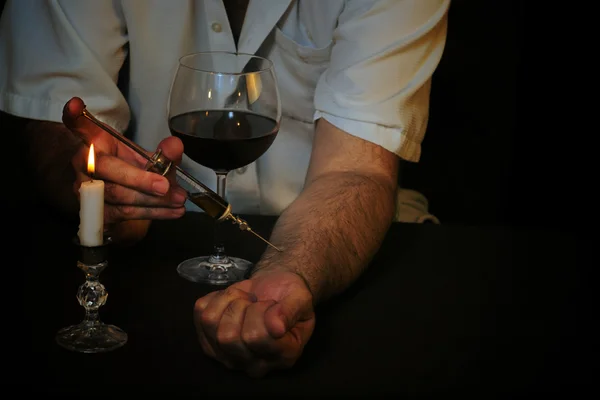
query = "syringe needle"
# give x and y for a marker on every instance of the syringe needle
(243, 225)
(264, 240)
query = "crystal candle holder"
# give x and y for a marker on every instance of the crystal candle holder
(92, 335)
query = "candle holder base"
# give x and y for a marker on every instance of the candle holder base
(91, 335)
(91, 338)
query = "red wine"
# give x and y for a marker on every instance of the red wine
(224, 140)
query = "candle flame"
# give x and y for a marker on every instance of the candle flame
(91, 161)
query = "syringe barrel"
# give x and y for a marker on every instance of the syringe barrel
(213, 204)
(209, 201)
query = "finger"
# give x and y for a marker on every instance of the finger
(122, 204)
(123, 196)
(298, 330)
(282, 351)
(213, 312)
(73, 119)
(204, 344)
(199, 308)
(211, 351)
(127, 233)
(89, 132)
(203, 302)
(283, 316)
(114, 214)
(72, 110)
(172, 148)
(116, 170)
(229, 333)
(202, 311)
(254, 333)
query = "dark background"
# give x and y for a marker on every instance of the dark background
(487, 158)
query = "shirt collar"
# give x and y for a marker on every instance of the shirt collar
(261, 18)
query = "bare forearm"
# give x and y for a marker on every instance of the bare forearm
(50, 147)
(332, 230)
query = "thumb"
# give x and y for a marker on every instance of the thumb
(172, 148)
(282, 316)
(73, 119)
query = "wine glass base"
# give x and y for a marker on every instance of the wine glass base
(91, 338)
(202, 269)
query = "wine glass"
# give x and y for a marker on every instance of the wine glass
(225, 108)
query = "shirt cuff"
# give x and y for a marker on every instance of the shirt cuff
(391, 139)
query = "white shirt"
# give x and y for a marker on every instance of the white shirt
(364, 65)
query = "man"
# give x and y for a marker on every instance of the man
(354, 79)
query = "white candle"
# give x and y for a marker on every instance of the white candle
(91, 208)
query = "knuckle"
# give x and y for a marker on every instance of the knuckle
(236, 307)
(110, 190)
(200, 304)
(110, 215)
(230, 310)
(178, 212)
(127, 176)
(227, 336)
(231, 292)
(126, 211)
(208, 318)
(251, 337)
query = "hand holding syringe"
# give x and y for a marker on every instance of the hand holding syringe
(199, 194)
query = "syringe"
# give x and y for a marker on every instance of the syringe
(199, 194)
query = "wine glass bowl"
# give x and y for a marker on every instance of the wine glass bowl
(224, 140)
(226, 110)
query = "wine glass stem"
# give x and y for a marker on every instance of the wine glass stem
(219, 242)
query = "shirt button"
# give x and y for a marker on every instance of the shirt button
(242, 170)
(216, 27)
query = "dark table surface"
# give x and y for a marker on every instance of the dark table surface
(442, 309)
